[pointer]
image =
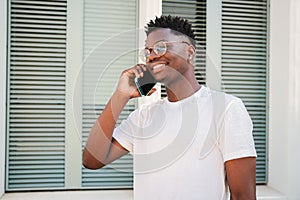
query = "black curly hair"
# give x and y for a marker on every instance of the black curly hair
(177, 25)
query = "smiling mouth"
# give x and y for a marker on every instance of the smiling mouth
(158, 66)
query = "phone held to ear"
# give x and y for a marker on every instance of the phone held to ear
(145, 83)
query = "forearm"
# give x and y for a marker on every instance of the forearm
(100, 138)
(99, 150)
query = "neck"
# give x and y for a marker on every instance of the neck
(182, 89)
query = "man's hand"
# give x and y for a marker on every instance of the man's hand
(126, 84)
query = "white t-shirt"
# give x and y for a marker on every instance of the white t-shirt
(179, 148)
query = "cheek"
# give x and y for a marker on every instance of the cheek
(176, 60)
(178, 56)
(176, 65)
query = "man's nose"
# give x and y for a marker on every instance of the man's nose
(152, 56)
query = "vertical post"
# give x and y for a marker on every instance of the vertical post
(279, 95)
(214, 44)
(74, 58)
(294, 101)
(148, 10)
(3, 71)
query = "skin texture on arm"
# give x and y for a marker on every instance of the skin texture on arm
(101, 148)
(240, 174)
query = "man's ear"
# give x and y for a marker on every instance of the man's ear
(191, 52)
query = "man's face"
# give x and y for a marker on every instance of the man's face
(173, 64)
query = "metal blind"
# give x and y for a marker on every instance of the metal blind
(244, 65)
(36, 94)
(110, 46)
(195, 12)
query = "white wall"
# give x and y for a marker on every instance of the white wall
(294, 108)
(2, 91)
(284, 98)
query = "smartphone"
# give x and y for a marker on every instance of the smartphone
(145, 83)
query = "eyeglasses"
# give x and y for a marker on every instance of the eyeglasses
(159, 48)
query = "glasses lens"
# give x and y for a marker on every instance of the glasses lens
(147, 53)
(160, 48)
(144, 54)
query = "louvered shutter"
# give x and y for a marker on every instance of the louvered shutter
(36, 94)
(195, 12)
(110, 44)
(244, 65)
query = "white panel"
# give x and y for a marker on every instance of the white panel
(73, 110)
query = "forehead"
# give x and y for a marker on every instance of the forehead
(161, 34)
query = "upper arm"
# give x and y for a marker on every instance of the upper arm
(116, 151)
(240, 174)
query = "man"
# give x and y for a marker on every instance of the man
(190, 145)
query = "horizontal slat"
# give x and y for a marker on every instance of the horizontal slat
(242, 2)
(18, 18)
(106, 175)
(100, 18)
(38, 87)
(243, 10)
(32, 180)
(247, 16)
(241, 53)
(43, 8)
(38, 2)
(30, 176)
(262, 20)
(26, 20)
(31, 45)
(46, 186)
(96, 4)
(244, 23)
(48, 154)
(38, 31)
(33, 27)
(241, 24)
(40, 12)
(37, 35)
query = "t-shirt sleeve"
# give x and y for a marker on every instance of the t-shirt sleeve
(125, 131)
(236, 140)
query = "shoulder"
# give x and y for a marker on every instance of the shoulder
(220, 98)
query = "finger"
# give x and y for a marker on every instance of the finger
(135, 94)
(135, 72)
(140, 70)
(143, 66)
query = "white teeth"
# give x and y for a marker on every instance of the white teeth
(158, 66)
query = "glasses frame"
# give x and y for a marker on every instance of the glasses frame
(145, 53)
